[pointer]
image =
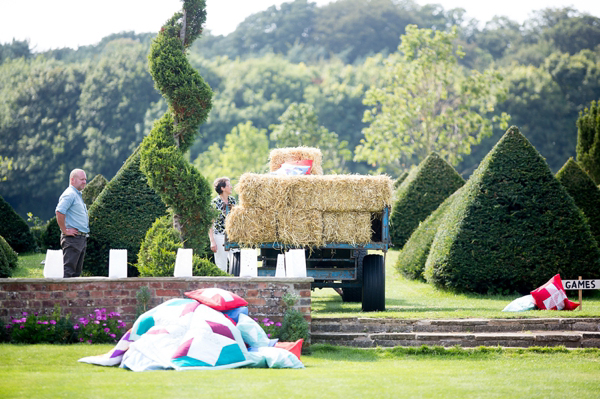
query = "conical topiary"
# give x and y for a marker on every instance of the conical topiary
(512, 227)
(421, 192)
(93, 189)
(586, 194)
(15, 230)
(411, 259)
(120, 217)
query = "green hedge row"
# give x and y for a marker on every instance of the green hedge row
(93, 189)
(421, 192)
(120, 217)
(512, 227)
(412, 257)
(8, 259)
(15, 230)
(585, 193)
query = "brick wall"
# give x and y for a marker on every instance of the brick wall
(80, 296)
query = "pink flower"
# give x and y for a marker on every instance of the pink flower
(76, 327)
(52, 322)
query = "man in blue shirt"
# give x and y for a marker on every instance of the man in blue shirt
(72, 218)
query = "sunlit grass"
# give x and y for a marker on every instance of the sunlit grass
(410, 299)
(50, 371)
(30, 266)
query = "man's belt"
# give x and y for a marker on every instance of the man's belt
(79, 233)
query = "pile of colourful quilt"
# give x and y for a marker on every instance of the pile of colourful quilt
(210, 329)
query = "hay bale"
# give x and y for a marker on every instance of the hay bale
(347, 227)
(251, 226)
(279, 156)
(328, 193)
(299, 227)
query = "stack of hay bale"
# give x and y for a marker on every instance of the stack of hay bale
(306, 210)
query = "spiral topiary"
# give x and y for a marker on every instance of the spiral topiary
(180, 186)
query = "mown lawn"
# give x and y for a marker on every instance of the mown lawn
(47, 371)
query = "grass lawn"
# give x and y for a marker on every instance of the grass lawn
(48, 371)
(409, 299)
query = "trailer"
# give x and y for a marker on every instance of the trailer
(356, 272)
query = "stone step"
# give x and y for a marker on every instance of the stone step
(376, 325)
(569, 339)
(373, 332)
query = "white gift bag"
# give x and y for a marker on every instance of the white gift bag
(280, 270)
(54, 264)
(295, 263)
(183, 262)
(117, 263)
(248, 263)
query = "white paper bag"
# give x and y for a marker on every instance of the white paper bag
(183, 262)
(248, 263)
(295, 263)
(54, 264)
(117, 263)
(280, 270)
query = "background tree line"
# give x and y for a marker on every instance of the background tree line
(297, 66)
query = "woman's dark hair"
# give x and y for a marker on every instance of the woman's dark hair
(220, 183)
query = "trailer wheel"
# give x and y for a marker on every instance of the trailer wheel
(235, 264)
(373, 298)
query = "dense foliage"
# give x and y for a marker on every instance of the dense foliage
(423, 190)
(91, 107)
(14, 229)
(8, 259)
(120, 217)
(51, 235)
(584, 191)
(93, 189)
(511, 228)
(588, 141)
(158, 252)
(181, 186)
(413, 256)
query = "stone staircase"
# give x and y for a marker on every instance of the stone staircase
(520, 333)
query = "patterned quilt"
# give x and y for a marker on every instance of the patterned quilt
(183, 334)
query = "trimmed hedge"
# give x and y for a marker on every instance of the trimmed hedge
(180, 185)
(51, 236)
(15, 230)
(588, 140)
(412, 257)
(9, 259)
(120, 217)
(512, 227)
(421, 192)
(586, 194)
(159, 250)
(93, 189)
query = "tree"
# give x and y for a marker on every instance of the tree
(588, 141)
(299, 126)
(246, 149)
(427, 103)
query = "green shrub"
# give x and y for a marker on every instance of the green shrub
(512, 227)
(8, 259)
(93, 189)
(15, 230)
(423, 190)
(159, 250)
(120, 217)
(51, 235)
(163, 159)
(588, 141)
(398, 182)
(294, 325)
(412, 257)
(585, 193)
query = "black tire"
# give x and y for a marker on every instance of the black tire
(373, 298)
(352, 294)
(235, 264)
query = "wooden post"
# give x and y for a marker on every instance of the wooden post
(580, 298)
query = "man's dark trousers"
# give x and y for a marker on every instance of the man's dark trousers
(73, 253)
